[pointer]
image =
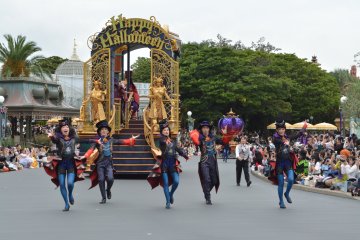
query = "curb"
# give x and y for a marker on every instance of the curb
(311, 189)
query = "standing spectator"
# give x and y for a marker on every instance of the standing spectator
(226, 152)
(242, 153)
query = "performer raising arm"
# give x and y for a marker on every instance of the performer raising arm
(286, 161)
(104, 169)
(208, 166)
(65, 164)
(167, 168)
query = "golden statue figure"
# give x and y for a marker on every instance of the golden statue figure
(97, 98)
(157, 93)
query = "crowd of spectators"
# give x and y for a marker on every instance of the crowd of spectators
(325, 160)
(17, 158)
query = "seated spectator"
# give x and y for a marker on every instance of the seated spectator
(326, 167)
(25, 159)
(352, 168)
(340, 182)
(315, 166)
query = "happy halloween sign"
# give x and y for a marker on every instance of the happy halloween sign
(122, 31)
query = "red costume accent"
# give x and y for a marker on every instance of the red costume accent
(273, 176)
(155, 178)
(226, 139)
(94, 175)
(195, 136)
(51, 169)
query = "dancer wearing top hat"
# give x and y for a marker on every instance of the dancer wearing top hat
(65, 165)
(208, 167)
(167, 168)
(101, 151)
(286, 161)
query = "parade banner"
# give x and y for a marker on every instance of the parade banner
(121, 31)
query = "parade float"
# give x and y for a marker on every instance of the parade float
(109, 92)
(230, 126)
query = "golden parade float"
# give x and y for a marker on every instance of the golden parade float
(105, 72)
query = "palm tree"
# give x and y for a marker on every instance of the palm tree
(17, 58)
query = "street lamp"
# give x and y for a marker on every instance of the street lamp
(311, 119)
(343, 100)
(3, 118)
(190, 121)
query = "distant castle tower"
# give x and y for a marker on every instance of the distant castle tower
(74, 55)
(353, 71)
(314, 60)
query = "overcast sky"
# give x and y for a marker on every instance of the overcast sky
(326, 28)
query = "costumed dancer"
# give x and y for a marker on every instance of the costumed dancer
(65, 165)
(167, 168)
(102, 153)
(286, 161)
(208, 166)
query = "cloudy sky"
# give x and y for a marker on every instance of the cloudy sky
(326, 28)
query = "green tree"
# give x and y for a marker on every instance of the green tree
(51, 63)
(18, 60)
(344, 79)
(260, 84)
(351, 106)
(141, 70)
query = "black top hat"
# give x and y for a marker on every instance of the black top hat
(163, 124)
(205, 124)
(65, 122)
(102, 124)
(280, 124)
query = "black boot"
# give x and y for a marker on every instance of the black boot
(102, 191)
(208, 199)
(109, 184)
(108, 194)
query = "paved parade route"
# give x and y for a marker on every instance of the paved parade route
(30, 208)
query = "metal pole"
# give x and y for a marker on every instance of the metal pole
(2, 135)
(344, 125)
(341, 127)
(128, 70)
(122, 66)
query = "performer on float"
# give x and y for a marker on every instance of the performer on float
(65, 165)
(286, 161)
(167, 168)
(208, 166)
(175, 49)
(104, 170)
(135, 103)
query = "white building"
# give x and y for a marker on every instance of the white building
(69, 75)
(143, 90)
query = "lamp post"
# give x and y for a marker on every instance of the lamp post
(3, 118)
(190, 121)
(311, 119)
(343, 100)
